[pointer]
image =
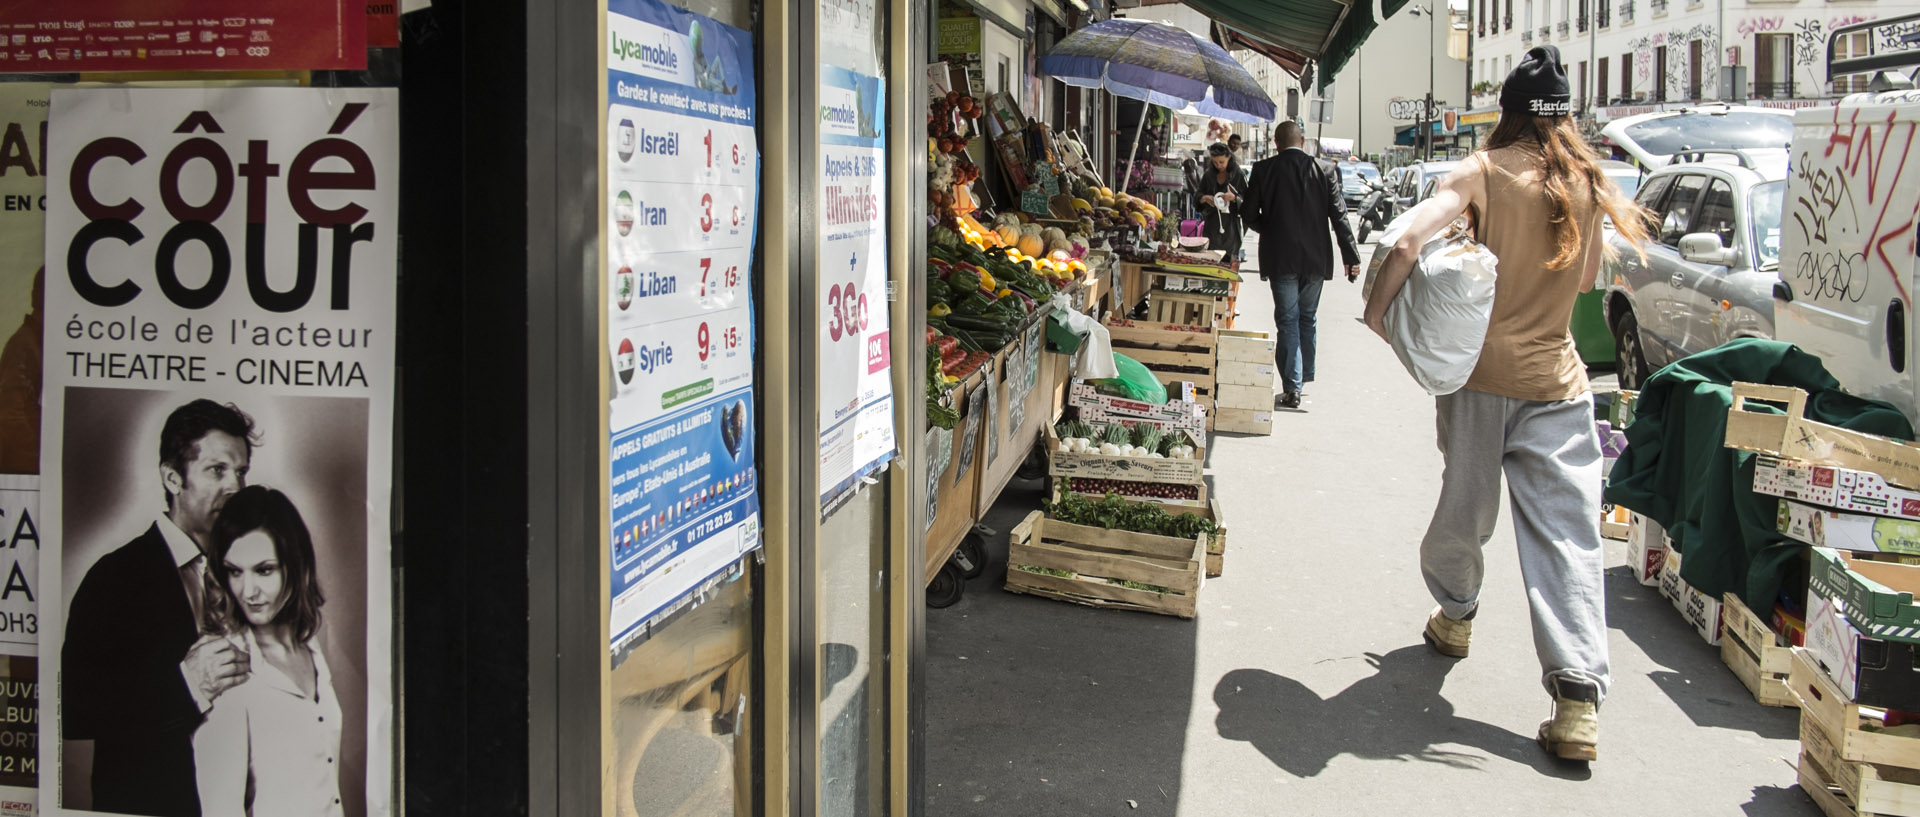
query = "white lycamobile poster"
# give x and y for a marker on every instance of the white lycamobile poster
(216, 612)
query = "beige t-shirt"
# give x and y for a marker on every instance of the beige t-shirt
(1529, 352)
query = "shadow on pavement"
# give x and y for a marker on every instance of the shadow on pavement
(1398, 713)
(1787, 801)
(1040, 707)
(1689, 670)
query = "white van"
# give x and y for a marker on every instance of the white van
(1848, 271)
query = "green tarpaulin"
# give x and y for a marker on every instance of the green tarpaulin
(1326, 31)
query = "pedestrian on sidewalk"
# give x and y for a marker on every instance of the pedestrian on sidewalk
(1537, 196)
(1223, 191)
(1293, 199)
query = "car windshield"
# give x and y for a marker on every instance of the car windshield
(1629, 183)
(1668, 135)
(1353, 172)
(1764, 205)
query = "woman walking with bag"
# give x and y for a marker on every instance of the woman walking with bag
(1223, 185)
(1527, 410)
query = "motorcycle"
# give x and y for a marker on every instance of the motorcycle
(1375, 210)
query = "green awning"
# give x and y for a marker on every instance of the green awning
(1326, 31)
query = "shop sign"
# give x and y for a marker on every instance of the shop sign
(682, 186)
(959, 35)
(1408, 110)
(219, 380)
(186, 35)
(855, 366)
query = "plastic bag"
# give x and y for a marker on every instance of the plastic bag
(1438, 321)
(1095, 359)
(1383, 246)
(1135, 381)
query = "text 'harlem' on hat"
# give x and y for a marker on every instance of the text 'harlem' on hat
(1538, 85)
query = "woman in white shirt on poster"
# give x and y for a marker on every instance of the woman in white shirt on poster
(270, 747)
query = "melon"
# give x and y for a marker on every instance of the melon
(1009, 234)
(1031, 246)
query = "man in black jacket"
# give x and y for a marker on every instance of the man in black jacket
(1292, 198)
(137, 676)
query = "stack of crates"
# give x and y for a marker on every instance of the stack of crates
(1243, 396)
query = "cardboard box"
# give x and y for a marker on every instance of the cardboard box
(1615, 521)
(1699, 609)
(1646, 550)
(1876, 596)
(1848, 531)
(1869, 671)
(1243, 421)
(1100, 408)
(1245, 398)
(1841, 489)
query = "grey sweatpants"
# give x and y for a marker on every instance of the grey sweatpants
(1551, 457)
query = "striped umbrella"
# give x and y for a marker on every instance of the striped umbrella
(1159, 64)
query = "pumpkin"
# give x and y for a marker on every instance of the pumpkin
(1009, 234)
(1031, 246)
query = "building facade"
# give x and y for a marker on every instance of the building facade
(1634, 56)
(1392, 67)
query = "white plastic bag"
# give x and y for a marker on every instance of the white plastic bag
(1383, 246)
(1438, 321)
(1095, 361)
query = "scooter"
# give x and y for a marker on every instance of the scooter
(1375, 210)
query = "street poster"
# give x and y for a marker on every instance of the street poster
(183, 35)
(856, 380)
(219, 383)
(683, 181)
(19, 643)
(23, 227)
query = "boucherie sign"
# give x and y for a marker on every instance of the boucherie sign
(218, 365)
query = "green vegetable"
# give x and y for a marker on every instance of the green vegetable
(1114, 513)
(1117, 434)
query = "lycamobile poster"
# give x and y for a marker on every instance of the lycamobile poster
(683, 171)
(215, 593)
(856, 381)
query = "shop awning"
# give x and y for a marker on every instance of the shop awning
(1326, 31)
(1233, 40)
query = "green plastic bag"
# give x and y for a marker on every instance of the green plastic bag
(1135, 382)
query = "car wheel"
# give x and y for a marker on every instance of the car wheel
(1631, 360)
(1366, 229)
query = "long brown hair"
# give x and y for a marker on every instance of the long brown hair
(1573, 169)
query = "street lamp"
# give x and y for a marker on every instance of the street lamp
(1426, 113)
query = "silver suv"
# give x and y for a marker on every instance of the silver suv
(1711, 263)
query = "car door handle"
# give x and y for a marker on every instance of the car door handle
(1678, 280)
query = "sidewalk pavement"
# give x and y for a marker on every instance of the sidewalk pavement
(1303, 687)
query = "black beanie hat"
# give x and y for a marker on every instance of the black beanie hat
(1538, 85)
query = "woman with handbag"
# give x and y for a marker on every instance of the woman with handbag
(1527, 410)
(1223, 185)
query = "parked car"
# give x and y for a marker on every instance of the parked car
(1419, 182)
(1592, 338)
(1353, 181)
(1711, 263)
(1653, 139)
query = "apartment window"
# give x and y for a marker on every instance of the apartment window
(1626, 76)
(1660, 74)
(1580, 94)
(1509, 70)
(1566, 10)
(1582, 21)
(1773, 66)
(1528, 20)
(1695, 57)
(1600, 83)
(1851, 45)
(1509, 14)
(1605, 14)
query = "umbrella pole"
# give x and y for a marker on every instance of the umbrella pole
(1126, 176)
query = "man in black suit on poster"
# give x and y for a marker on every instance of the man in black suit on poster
(137, 676)
(1292, 198)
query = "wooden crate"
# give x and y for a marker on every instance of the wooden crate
(1246, 373)
(1849, 727)
(1173, 352)
(1749, 648)
(1615, 521)
(1245, 346)
(1244, 421)
(1187, 309)
(1845, 788)
(1134, 492)
(1244, 398)
(1793, 436)
(1217, 544)
(1101, 466)
(1096, 561)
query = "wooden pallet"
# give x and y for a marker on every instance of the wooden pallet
(1845, 788)
(1851, 728)
(1095, 561)
(1749, 648)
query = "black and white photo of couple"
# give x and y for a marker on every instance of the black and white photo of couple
(213, 654)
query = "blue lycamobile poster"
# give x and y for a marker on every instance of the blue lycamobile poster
(682, 172)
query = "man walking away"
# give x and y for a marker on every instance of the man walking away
(1293, 198)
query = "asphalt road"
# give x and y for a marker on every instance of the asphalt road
(1303, 687)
